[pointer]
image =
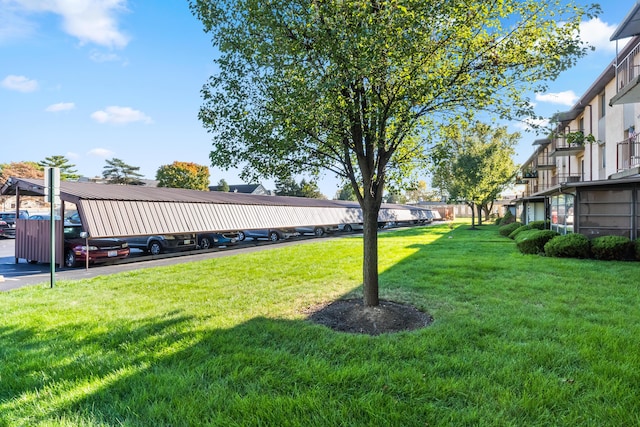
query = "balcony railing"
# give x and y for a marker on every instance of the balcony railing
(569, 142)
(628, 68)
(564, 178)
(628, 155)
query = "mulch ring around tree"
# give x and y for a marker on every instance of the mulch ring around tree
(350, 315)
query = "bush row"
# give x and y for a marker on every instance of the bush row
(534, 238)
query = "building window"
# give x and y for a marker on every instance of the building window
(603, 105)
(603, 156)
(562, 213)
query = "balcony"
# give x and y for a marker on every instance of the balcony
(569, 143)
(628, 157)
(628, 78)
(566, 178)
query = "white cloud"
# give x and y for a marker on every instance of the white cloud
(532, 124)
(13, 26)
(60, 106)
(72, 155)
(19, 83)
(568, 97)
(120, 115)
(100, 152)
(96, 56)
(91, 21)
(597, 33)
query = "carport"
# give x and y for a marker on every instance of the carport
(121, 210)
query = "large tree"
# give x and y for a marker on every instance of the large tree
(289, 187)
(116, 171)
(474, 164)
(67, 171)
(355, 86)
(19, 170)
(184, 175)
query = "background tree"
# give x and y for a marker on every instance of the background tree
(419, 192)
(353, 86)
(183, 175)
(67, 171)
(117, 171)
(223, 186)
(289, 187)
(20, 170)
(310, 189)
(346, 193)
(473, 164)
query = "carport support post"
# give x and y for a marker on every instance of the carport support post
(52, 179)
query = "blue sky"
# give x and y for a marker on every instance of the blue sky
(98, 79)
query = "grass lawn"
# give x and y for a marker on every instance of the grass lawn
(517, 340)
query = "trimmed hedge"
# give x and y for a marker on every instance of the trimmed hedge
(568, 246)
(519, 230)
(533, 241)
(637, 243)
(505, 230)
(539, 225)
(508, 218)
(612, 248)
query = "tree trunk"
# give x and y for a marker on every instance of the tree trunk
(370, 259)
(479, 207)
(473, 214)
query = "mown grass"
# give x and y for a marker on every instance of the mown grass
(516, 340)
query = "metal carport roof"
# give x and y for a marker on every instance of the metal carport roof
(121, 210)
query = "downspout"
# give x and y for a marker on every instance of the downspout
(591, 144)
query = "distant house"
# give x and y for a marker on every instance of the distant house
(244, 189)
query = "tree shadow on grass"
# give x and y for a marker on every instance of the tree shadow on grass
(159, 372)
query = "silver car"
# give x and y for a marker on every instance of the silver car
(273, 234)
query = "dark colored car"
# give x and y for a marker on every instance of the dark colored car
(100, 250)
(208, 240)
(163, 243)
(8, 223)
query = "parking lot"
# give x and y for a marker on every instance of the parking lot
(14, 275)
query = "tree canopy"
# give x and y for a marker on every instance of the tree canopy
(116, 171)
(67, 171)
(356, 87)
(19, 170)
(289, 187)
(474, 163)
(183, 175)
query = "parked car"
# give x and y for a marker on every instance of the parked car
(272, 234)
(351, 226)
(8, 223)
(6, 230)
(163, 243)
(317, 230)
(208, 240)
(100, 250)
(45, 217)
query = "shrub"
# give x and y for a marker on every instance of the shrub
(637, 244)
(519, 230)
(612, 248)
(568, 246)
(505, 230)
(508, 218)
(539, 225)
(533, 241)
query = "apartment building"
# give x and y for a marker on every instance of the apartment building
(585, 176)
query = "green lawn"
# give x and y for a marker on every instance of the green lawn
(517, 340)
